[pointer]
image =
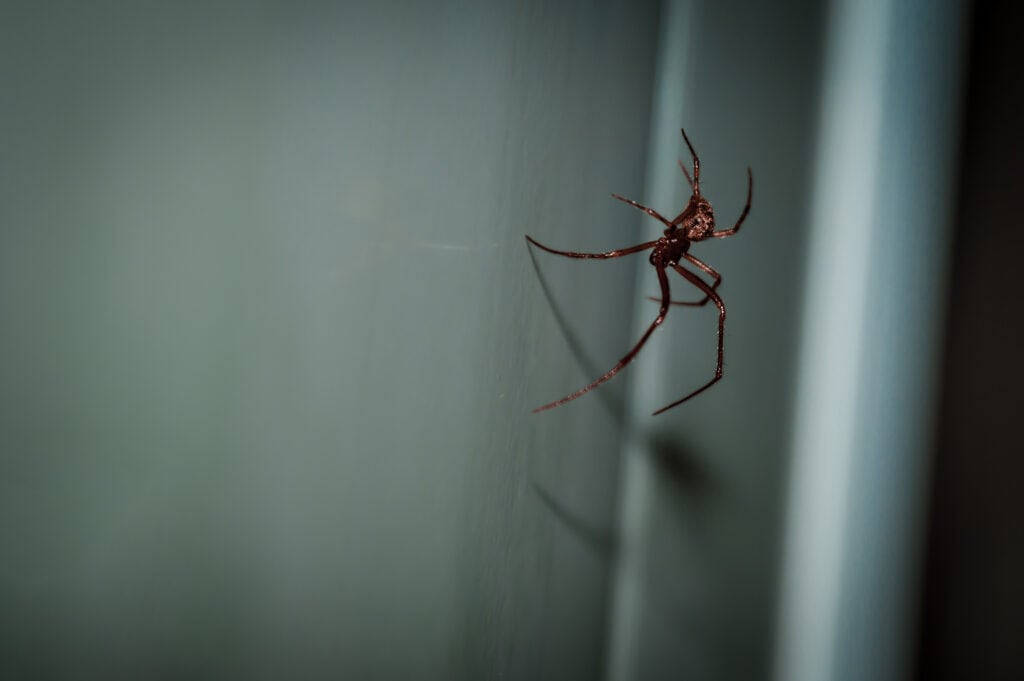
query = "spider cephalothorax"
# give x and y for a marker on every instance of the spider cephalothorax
(695, 223)
(699, 224)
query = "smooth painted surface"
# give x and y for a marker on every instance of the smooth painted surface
(702, 501)
(270, 336)
(871, 341)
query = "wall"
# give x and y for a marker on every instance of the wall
(704, 483)
(271, 335)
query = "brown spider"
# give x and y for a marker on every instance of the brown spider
(695, 223)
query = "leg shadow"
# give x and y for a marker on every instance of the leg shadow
(612, 400)
(601, 541)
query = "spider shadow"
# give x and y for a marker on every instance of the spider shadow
(684, 479)
(612, 400)
(684, 482)
(689, 556)
(680, 467)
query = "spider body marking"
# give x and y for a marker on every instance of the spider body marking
(696, 222)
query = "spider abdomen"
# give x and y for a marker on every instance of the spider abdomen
(669, 251)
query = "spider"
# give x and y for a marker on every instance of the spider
(695, 223)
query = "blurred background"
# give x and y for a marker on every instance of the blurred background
(270, 336)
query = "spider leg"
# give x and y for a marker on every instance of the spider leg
(746, 209)
(689, 180)
(710, 293)
(707, 268)
(684, 303)
(628, 357)
(610, 254)
(653, 213)
(696, 164)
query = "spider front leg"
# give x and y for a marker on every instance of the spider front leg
(746, 209)
(628, 357)
(689, 180)
(602, 256)
(650, 211)
(710, 293)
(695, 182)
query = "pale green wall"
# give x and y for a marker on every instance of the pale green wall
(696, 588)
(271, 335)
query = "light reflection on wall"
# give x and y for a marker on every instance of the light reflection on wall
(871, 336)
